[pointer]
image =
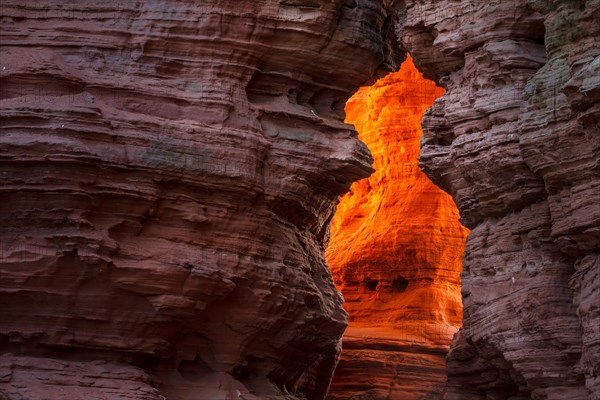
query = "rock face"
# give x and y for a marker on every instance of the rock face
(169, 168)
(168, 173)
(516, 141)
(395, 252)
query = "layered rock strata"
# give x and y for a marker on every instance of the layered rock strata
(516, 141)
(168, 173)
(395, 252)
(168, 169)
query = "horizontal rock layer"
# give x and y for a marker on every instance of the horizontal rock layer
(395, 251)
(516, 141)
(168, 170)
(391, 363)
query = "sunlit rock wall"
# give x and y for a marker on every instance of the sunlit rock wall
(395, 251)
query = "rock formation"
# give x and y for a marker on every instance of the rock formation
(395, 252)
(516, 141)
(169, 169)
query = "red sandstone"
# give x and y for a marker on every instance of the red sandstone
(395, 252)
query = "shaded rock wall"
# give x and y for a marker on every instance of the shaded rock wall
(168, 172)
(516, 141)
(395, 252)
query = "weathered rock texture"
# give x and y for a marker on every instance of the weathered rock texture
(168, 172)
(169, 168)
(395, 252)
(516, 141)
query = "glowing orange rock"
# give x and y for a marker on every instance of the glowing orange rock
(396, 243)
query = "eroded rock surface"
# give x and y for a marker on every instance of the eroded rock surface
(168, 170)
(168, 173)
(516, 141)
(395, 252)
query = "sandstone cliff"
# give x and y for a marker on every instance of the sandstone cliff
(168, 173)
(516, 141)
(395, 252)
(169, 169)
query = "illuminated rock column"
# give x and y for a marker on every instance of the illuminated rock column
(395, 250)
